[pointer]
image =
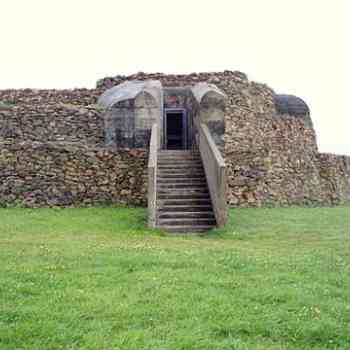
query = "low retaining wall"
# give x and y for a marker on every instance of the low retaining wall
(45, 122)
(288, 179)
(47, 174)
(36, 174)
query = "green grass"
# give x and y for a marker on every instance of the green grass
(98, 279)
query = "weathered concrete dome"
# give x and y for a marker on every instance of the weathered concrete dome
(211, 102)
(202, 90)
(292, 105)
(129, 91)
(130, 110)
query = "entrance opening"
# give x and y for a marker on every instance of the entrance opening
(175, 130)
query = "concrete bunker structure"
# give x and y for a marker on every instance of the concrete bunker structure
(211, 109)
(185, 119)
(131, 108)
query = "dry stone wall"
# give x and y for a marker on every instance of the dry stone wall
(335, 178)
(50, 116)
(52, 152)
(37, 174)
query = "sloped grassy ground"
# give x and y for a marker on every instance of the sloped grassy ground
(98, 279)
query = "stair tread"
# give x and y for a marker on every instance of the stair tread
(189, 199)
(183, 169)
(179, 161)
(197, 196)
(185, 191)
(183, 183)
(186, 222)
(186, 214)
(182, 210)
(186, 229)
(182, 187)
(186, 219)
(181, 158)
(170, 207)
(183, 199)
(186, 226)
(188, 176)
(180, 166)
(177, 152)
(172, 174)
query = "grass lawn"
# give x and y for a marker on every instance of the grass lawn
(98, 279)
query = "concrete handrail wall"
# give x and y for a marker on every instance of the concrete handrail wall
(215, 172)
(152, 177)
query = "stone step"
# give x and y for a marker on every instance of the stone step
(186, 215)
(182, 185)
(178, 152)
(186, 229)
(183, 156)
(186, 208)
(181, 168)
(189, 177)
(179, 164)
(164, 202)
(179, 156)
(184, 172)
(180, 195)
(171, 176)
(187, 222)
(183, 200)
(179, 159)
(187, 181)
(181, 171)
(175, 175)
(183, 190)
(183, 193)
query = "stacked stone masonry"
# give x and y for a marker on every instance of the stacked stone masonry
(35, 174)
(52, 149)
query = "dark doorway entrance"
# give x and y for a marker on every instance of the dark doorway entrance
(175, 129)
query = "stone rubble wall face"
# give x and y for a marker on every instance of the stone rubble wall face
(335, 177)
(52, 149)
(51, 116)
(46, 174)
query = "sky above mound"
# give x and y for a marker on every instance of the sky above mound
(296, 47)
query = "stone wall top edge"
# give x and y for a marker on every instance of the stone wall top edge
(334, 156)
(67, 146)
(53, 90)
(107, 82)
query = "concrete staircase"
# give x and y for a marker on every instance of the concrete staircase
(183, 200)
